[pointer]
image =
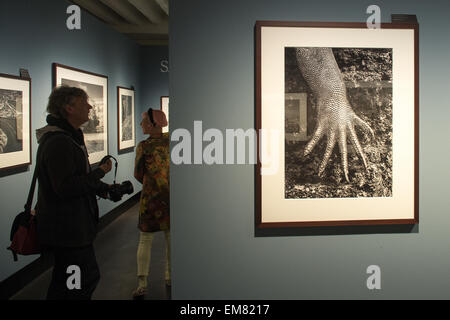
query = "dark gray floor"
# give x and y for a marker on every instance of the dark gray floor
(116, 248)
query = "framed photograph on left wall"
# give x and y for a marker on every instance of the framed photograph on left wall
(125, 119)
(96, 86)
(15, 121)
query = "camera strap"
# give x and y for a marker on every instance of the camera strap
(105, 158)
(115, 170)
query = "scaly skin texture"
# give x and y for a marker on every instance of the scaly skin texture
(335, 117)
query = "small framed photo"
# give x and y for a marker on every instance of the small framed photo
(15, 122)
(96, 86)
(125, 119)
(165, 109)
(340, 104)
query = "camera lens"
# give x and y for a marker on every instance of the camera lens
(126, 187)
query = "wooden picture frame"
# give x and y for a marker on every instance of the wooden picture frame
(96, 86)
(15, 122)
(126, 132)
(165, 109)
(359, 162)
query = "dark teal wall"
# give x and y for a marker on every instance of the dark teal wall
(154, 78)
(215, 252)
(33, 35)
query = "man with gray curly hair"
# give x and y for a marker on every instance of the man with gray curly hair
(66, 211)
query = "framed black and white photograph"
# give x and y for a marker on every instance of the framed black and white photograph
(96, 86)
(125, 120)
(15, 121)
(165, 109)
(342, 103)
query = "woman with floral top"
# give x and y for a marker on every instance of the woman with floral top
(152, 170)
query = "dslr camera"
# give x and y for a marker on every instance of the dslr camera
(117, 190)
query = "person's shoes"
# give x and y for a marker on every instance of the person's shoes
(139, 293)
(168, 282)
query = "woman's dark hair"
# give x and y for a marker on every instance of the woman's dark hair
(62, 96)
(150, 116)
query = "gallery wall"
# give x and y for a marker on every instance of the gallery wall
(34, 35)
(154, 77)
(216, 254)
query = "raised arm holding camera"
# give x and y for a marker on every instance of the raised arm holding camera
(66, 211)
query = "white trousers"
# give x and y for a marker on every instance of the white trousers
(144, 253)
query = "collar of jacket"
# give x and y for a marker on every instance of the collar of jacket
(60, 125)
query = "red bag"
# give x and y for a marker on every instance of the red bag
(23, 236)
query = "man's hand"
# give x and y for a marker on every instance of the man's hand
(107, 166)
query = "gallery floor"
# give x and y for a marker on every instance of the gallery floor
(116, 247)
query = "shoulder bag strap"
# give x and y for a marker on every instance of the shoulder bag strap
(35, 175)
(31, 192)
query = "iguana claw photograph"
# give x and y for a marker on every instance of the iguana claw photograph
(338, 140)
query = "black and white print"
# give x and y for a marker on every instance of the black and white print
(165, 109)
(93, 129)
(15, 122)
(127, 117)
(11, 131)
(338, 122)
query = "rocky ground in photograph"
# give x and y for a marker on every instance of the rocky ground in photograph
(367, 74)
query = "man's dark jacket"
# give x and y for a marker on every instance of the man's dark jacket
(66, 210)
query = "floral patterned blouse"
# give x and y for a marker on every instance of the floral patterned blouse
(152, 170)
